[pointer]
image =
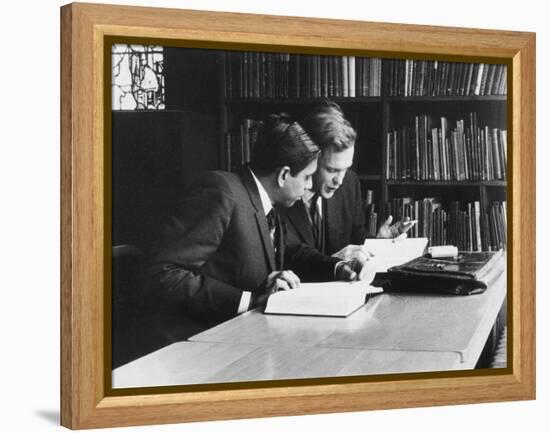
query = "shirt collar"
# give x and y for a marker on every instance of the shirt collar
(308, 197)
(264, 197)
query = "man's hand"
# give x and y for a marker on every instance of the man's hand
(356, 270)
(279, 280)
(352, 252)
(400, 228)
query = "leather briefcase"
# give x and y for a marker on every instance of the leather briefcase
(467, 274)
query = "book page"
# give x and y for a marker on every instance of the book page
(393, 252)
(337, 288)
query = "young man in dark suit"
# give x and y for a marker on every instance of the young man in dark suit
(330, 217)
(224, 250)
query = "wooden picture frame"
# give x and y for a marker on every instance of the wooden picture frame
(84, 308)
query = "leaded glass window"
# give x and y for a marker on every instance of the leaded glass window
(138, 77)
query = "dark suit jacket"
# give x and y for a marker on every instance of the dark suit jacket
(343, 218)
(217, 246)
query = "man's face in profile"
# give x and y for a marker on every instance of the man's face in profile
(295, 187)
(331, 169)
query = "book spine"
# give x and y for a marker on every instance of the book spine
(345, 76)
(477, 87)
(484, 77)
(496, 153)
(497, 80)
(407, 77)
(251, 75)
(227, 74)
(351, 71)
(388, 155)
(227, 141)
(477, 224)
(503, 152)
(504, 84)
(490, 79)
(418, 172)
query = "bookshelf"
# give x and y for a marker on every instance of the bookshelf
(431, 135)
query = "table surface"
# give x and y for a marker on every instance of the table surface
(435, 323)
(392, 333)
(187, 363)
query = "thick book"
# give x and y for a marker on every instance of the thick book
(467, 274)
(335, 298)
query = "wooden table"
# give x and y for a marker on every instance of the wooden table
(392, 333)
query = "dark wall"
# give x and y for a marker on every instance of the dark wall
(147, 172)
(156, 153)
(193, 86)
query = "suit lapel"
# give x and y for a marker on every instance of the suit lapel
(297, 215)
(261, 220)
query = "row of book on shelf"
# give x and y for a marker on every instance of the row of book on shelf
(284, 75)
(463, 224)
(419, 152)
(435, 78)
(424, 151)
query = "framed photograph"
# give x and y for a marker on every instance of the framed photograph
(180, 237)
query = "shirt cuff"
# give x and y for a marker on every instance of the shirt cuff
(245, 302)
(337, 266)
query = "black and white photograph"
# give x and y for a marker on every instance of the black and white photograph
(275, 216)
(282, 216)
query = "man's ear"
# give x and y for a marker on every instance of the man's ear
(282, 175)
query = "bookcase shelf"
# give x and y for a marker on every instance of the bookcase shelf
(371, 177)
(475, 110)
(339, 100)
(452, 183)
(489, 98)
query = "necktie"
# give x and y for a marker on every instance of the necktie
(273, 233)
(271, 220)
(316, 223)
(272, 225)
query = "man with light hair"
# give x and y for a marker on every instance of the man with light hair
(330, 217)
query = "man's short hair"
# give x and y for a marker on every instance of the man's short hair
(282, 142)
(328, 128)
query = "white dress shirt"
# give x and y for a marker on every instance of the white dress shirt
(308, 196)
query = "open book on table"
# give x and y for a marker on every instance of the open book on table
(335, 298)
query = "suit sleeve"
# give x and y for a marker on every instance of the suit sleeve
(188, 241)
(359, 231)
(307, 262)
